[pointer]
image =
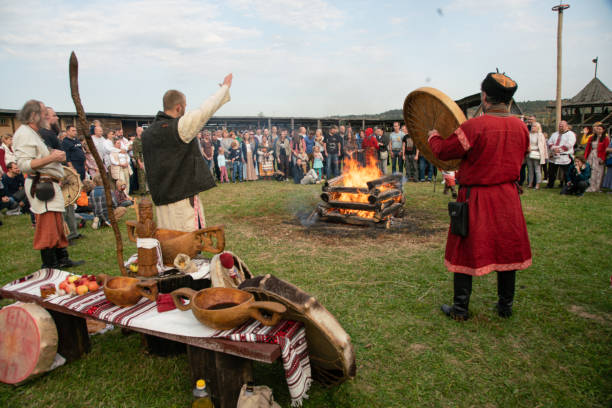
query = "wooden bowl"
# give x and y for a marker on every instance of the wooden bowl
(124, 291)
(226, 308)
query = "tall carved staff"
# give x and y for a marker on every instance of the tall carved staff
(74, 91)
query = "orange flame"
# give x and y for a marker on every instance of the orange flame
(356, 175)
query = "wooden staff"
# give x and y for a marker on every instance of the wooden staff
(74, 91)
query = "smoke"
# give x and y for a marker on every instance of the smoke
(308, 219)
(305, 208)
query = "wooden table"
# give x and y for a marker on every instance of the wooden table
(224, 364)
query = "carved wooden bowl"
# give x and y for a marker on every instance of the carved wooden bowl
(124, 291)
(226, 308)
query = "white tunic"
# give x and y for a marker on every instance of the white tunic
(566, 143)
(28, 145)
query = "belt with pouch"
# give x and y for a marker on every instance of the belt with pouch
(44, 177)
(42, 186)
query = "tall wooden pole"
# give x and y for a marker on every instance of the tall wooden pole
(559, 9)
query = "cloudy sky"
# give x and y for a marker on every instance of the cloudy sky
(292, 57)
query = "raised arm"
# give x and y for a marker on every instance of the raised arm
(192, 122)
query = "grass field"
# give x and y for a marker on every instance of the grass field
(385, 289)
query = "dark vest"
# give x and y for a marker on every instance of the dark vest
(175, 170)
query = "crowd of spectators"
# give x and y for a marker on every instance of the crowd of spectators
(581, 164)
(309, 156)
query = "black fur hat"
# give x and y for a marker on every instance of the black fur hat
(499, 86)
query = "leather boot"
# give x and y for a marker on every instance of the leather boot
(462, 285)
(49, 259)
(64, 261)
(505, 292)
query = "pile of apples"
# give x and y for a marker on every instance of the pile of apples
(78, 285)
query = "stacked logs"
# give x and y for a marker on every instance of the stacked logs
(384, 199)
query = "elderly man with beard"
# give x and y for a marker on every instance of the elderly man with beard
(44, 169)
(176, 171)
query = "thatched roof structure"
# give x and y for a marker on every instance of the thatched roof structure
(595, 92)
(592, 104)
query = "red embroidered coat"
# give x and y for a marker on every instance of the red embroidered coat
(492, 148)
(601, 147)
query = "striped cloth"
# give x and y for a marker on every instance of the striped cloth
(291, 337)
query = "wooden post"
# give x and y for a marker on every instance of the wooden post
(269, 124)
(559, 9)
(73, 339)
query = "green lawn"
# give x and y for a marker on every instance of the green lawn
(385, 288)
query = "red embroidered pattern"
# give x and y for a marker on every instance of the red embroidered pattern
(483, 270)
(463, 139)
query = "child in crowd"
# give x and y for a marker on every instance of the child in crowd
(222, 166)
(304, 158)
(319, 142)
(449, 182)
(318, 162)
(98, 200)
(266, 162)
(83, 211)
(121, 196)
(302, 177)
(235, 156)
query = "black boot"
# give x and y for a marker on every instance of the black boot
(462, 285)
(505, 292)
(64, 261)
(49, 258)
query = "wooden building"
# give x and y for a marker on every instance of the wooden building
(111, 121)
(592, 104)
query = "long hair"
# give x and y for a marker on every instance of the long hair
(31, 112)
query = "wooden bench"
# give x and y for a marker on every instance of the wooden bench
(225, 365)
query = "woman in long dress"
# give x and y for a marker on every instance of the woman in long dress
(595, 154)
(249, 151)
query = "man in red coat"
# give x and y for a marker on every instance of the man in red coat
(492, 148)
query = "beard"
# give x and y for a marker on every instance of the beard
(42, 122)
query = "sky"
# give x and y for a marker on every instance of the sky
(292, 57)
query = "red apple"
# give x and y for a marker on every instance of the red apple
(93, 286)
(71, 288)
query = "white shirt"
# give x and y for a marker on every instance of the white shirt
(565, 142)
(192, 122)
(28, 145)
(108, 149)
(99, 143)
(9, 156)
